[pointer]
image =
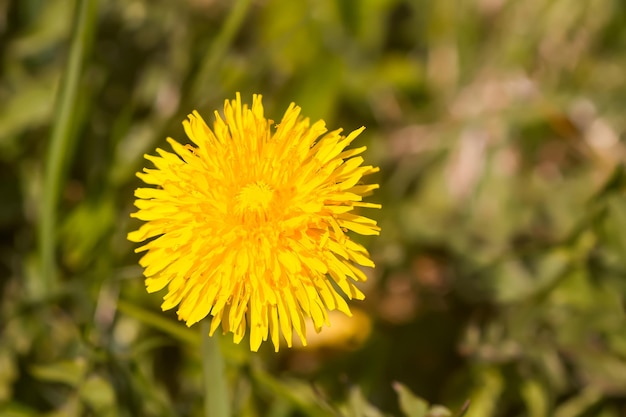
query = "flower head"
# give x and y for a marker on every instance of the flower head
(249, 225)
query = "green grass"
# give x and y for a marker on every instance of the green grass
(501, 269)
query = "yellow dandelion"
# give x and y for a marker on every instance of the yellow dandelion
(249, 226)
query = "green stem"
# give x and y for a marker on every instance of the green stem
(218, 48)
(61, 143)
(216, 401)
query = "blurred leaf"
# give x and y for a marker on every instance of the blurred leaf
(604, 372)
(98, 394)
(609, 411)
(438, 411)
(486, 394)
(71, 408)
(52, 25)
(535, 398)
(37, 95)
(161, 322)
(613, 185)
(617, 222)
(297, 393)
(317, 91)
(359, 407)
(410, 405)
(17, 410)
(402, 72)
(291, 41)
(8, 373)
(85, 228)
(580, 404)
(367, 20)
(71, 372)
(413, 406)
(219, 46)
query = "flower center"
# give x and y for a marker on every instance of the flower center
(253, 201)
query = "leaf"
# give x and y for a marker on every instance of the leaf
(486, 393)
(535, 398)
(14, 409)
(439, 411)
(161, 322)
(70, 372)
(614, 184)
(359, 407)
(84, 228)
(8, 373)
(578, 405)
(617, 217)
(98, 394)
(411, 405)
(297, 393)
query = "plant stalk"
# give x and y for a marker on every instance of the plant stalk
(62, 143)
(216, 400)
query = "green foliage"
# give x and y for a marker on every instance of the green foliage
(501, 270)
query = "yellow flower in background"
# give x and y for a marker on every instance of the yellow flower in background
(250, 225)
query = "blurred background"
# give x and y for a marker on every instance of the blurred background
(499, 127)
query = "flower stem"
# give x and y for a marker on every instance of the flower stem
(61, 142)
(216, 400)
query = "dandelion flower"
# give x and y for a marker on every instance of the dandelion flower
(250, 225)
